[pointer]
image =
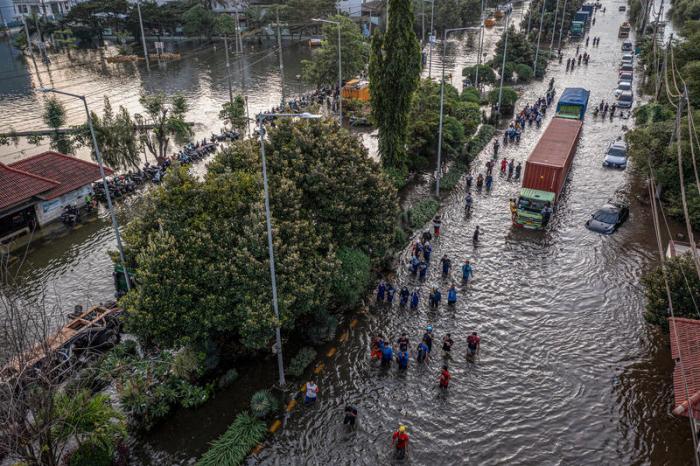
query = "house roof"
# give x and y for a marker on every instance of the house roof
(17, 186)
(69, 172)
(685, 346)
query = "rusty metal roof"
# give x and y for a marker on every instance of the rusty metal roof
(555, 144)
(685, 346)
(18, 186)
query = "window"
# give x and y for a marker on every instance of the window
(22, 9)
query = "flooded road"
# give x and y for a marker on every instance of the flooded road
(568, 373)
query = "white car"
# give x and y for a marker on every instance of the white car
(628, 58)
(626, 76)
(625, 100)
(616, 155)
(627, 46)
(622, 86)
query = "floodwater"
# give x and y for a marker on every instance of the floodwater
(569, 373)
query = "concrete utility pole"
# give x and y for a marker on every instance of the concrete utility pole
(228, 71)
(539, 36)
(503, 67)
(481, 45)
(554, 25)
(143, 36)
(561, 29)
(279, 46)
(432, 39)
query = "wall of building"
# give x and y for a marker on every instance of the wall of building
(351, 7)
(51, 210)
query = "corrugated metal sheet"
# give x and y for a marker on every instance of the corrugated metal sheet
(685, 334)
(549, 163)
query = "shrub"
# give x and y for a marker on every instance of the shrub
(471, 94)
(301, 361)
(352, 277)
(191, 396)
(321, 328)
(524, 72)
(479, 141)
(91, 454)
(677, 270)
(187, 364)
(228, 378)
(263, 403)
(452, 177)
(422, 212)
(234, 445)
(486, 74)
(397, 176)
(508, 98)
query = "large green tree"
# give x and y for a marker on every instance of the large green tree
(198, 21)
(394, 72)
(166, 116)
(684, 285)
(54, 116)
(322, 69)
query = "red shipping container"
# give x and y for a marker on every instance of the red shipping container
(549, 163)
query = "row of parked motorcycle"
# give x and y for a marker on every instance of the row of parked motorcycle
(122, 185)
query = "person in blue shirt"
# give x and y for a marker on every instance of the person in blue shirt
(381, 289)
(452, 295)
(422, 270)
(435, 298)
(403, 296)
(467, 271)
(402, 359)
(390, 292)
(446, 264)
(414, 299)
(414, 264)
(387, 355)
(422, 352)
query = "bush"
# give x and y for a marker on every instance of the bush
(263, 403)
(321, 328)
(683, 299)
(228, 378)
(397, 176)
(524, 72)
(351, 278)
(187, 364)
(301, 361)
(471, 94)
(486, 74)
(451, 179)
(508, 98)
(422, 212)
(234, 445)
(91, 454)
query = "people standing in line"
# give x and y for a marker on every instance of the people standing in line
(580, 57)
(403, 296)
(518, 169)
(414, 299)
(422, 352)
(376, 347)
(473, 344)
(468, 202)
(414, 264)
(489, 182)
(587, 38)
(467, 271)
(511, 167)
(469, 181)
(479, 182)
(381, 290)
(496, 145)
(400, 441)
(390, 292)
(475, 236)
(452, 295)
(350, 416)
(504, 165)
(568, 64)
(311, 392)
(444, 378)
(446, 264)
(387, 355)
(437, 222)
(513, 209)
(402, 360)
(578, 47)
(403, 342)
(427, 251)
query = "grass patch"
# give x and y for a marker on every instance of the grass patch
(479, 141)
(422, 212)
(233, 446)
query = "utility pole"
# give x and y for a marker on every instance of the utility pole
(279, 46)
(432, 39)
(228, 70)
(143, 36)
(239, 43)
(29, 41)
(539, 36)
(503, 67)
(561, 29)
(481, 45)
(554, 25)
(422, 23)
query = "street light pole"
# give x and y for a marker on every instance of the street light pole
(228, 71)
(442, 106)
(268, 221)
(279, 46)
(554, 25)
(539, 36)
(503, 66)
(340, 67)
(481, 44)
(98, 156)
(561, 29)
(143, 37)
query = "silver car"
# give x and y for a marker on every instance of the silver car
(623, 86)
(625, 100)
(616, 155)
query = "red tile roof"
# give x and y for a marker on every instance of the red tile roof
(17, 186)
(685, 346)
(70, 172)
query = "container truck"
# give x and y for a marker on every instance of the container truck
(548, 165)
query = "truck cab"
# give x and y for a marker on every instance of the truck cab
(531, 202)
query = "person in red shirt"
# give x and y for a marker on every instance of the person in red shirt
(400, 440)
(444, 378)
(473, 344)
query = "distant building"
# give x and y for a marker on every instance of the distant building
(51, 9)
(351, 7)
(34, 191)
